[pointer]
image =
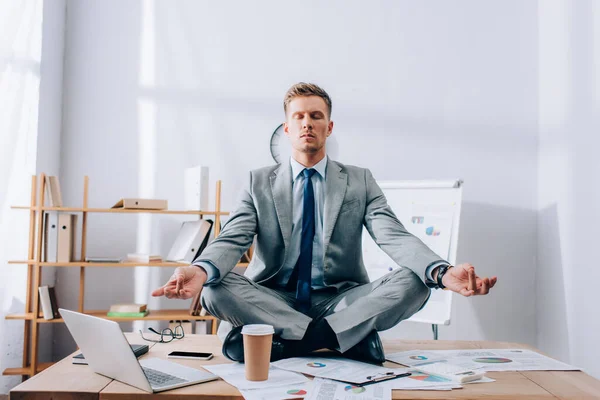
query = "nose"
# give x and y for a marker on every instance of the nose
(307, 123)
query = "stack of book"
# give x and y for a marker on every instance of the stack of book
(128, 310)
(48, 302)
(143, 258)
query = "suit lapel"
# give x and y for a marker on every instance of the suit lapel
(335, 190)
(281, 188)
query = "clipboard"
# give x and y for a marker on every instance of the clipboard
(376, 378)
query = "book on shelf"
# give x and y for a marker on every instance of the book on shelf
(141, 204)
(53, 191)
(143, 258)
(48, 302)
(140, 314)
(128, 308)
(103, 259)
(138, 350)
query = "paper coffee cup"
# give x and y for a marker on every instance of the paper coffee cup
(257, 350)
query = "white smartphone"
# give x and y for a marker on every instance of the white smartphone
(190, 355)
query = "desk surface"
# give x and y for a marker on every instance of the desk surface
(65, 380)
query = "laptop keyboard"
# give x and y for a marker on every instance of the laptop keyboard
(160, 379)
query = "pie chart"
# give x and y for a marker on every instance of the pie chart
(315, 365)
(492, 360)
(420, 376)
(354, 389)
(432, 231)
(296, 392)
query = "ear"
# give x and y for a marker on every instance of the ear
(286, 129)
(329, 128)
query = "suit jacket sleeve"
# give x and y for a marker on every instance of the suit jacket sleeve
(235, 238)
(390, 235)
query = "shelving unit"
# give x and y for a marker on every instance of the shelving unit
(32, 316)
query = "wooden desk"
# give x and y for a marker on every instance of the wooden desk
(67, 381)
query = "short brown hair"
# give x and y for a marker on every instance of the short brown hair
(306, 89)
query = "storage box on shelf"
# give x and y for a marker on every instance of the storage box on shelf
(32, 316)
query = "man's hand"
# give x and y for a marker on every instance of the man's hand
(462, 279)
(185, 283)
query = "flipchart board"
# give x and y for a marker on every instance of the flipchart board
(429, 210)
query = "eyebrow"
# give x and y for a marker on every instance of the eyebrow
(310, 112)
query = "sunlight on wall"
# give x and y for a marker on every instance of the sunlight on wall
(146, 277)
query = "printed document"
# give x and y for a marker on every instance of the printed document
(485, 359)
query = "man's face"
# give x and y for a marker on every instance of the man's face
(307, 124)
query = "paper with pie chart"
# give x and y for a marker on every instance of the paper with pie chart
(485, 359)
(234, 374)
(325, 389)
(337, 368)
(291, 391)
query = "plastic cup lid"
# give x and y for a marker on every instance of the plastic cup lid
(258, 330)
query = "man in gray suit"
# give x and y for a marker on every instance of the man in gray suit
(307, 276)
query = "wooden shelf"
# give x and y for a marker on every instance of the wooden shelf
(27, 370)
(107, 265)
(25, 316)
(153, 315)
(32, 316)
(120, 210)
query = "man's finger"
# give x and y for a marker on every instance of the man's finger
(159, 292)
(179, 282)
(185, 294)
(484, 286)
(466, 292)
(493, 281)
(472, 281)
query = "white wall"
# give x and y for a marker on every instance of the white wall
(49, 127)
(420, 91)
(568, 171)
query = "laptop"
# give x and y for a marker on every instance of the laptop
(108, 353)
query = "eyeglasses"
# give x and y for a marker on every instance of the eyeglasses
(166, 335)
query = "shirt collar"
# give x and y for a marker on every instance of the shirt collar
(297, 168)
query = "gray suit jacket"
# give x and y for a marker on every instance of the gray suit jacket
(352, 199)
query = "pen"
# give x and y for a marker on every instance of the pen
(388, 376)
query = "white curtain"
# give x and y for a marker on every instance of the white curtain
(20, 55)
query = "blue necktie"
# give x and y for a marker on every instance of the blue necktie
(304, 264)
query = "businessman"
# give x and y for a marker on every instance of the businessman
(307, 276)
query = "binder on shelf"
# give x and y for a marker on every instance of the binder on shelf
(50, 246)
(196, 188)
(53, 191)
(187, 326)
(190, 241)
(203, 327)
(67, 224)
(141, 204)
